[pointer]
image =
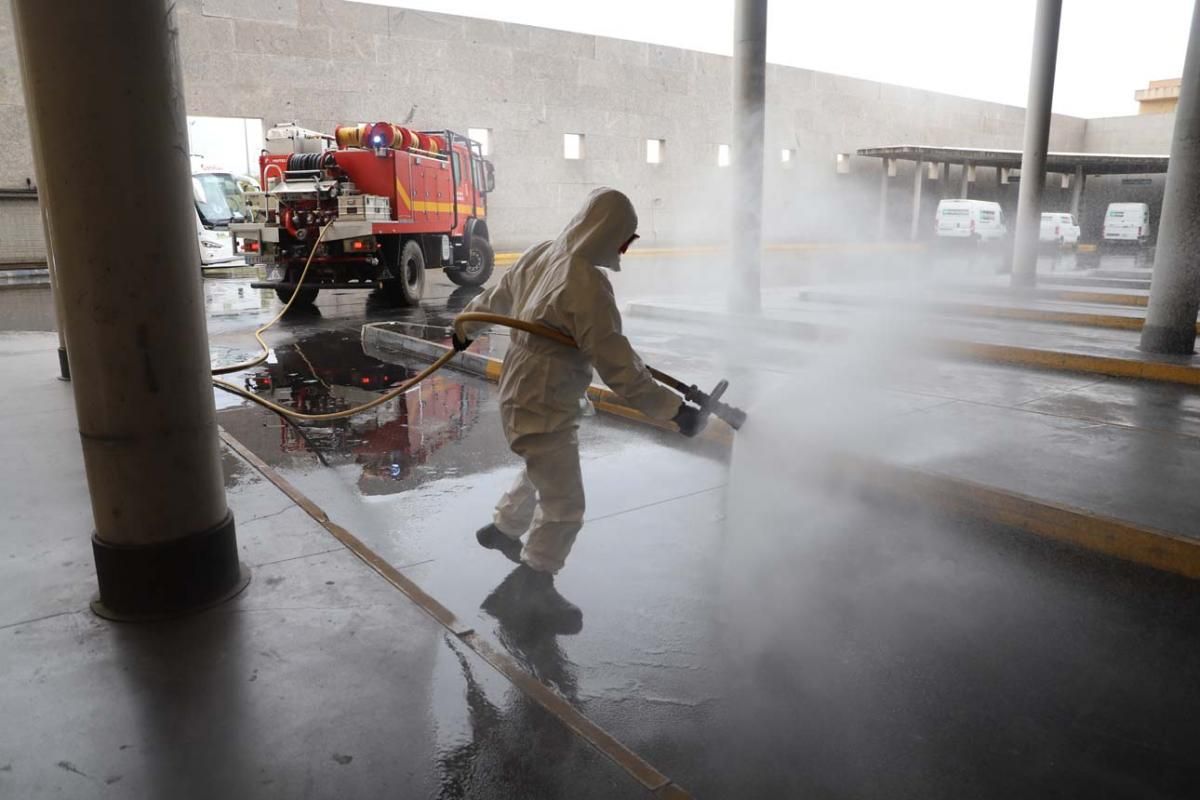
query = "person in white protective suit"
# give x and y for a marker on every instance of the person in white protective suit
(543, 383)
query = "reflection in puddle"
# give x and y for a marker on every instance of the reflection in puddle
(328, 372)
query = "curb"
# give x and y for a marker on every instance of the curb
(1096, 282)
(24, 277)
(1151, 547)
(1159, 371)
(1112, 298)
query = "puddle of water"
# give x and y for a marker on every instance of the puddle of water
(327, 372)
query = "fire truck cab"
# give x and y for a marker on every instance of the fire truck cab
(371, 207)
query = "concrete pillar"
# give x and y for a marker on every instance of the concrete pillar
(1077, 191)
(104, 95)
(1037, 141)
(965, 185)
(1175, 283)
(749, 94)
(883, 199)
(916, 204)
(946, 190)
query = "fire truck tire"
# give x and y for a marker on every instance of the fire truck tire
(481, 260)
(409, 284)
(306, 297)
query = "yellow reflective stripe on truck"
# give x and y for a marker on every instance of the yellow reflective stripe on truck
(403, 195)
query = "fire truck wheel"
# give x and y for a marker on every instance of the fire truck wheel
(481, 259)
(409, 284)
(306, 297)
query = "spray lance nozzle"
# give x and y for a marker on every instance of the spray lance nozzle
(709, 403)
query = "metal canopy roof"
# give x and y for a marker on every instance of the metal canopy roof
(1092, 163)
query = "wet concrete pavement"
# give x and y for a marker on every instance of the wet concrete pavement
(752, 625)
(755, 628)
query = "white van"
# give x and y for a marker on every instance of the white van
(219, 201)
(980, 220)
(1060, 228)
(1127, 222)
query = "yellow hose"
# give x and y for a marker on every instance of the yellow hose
(349, 412)
(544, 331)
(266, 351)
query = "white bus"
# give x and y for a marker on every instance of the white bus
(219, 202)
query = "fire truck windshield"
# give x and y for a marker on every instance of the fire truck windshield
(219, 201)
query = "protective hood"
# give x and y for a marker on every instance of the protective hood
(598, 230)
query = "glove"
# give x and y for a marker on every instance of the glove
(688, 420)
(460, 343)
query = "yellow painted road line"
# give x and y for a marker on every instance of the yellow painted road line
(1073, 362)
(553, 702)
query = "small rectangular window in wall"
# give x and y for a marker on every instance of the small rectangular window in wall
(655, 149)
(843, 163)
(573, 146)
(483, 136)
(722, 155)
(786, 156)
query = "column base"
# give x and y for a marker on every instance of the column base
(1168, 341)
(142, 583)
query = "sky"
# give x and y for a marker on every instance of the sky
(975, 48)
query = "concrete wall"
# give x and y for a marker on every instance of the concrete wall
(1144, 134)
(21, 240)
(324, 62)
(16, 157)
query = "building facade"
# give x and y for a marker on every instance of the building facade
(327, 62)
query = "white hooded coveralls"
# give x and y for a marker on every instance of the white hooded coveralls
(557, 284)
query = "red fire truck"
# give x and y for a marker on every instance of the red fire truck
(392, 202)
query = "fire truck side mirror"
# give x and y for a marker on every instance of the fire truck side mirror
(490, 176)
